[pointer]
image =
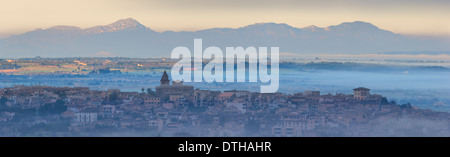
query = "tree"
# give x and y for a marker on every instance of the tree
(46, 109)
(142, 89)
(149, 90)
(3, 101)
(113, 97)
(59, 107)
(384, 101)
(61, 94)
(407, 105)
(252, 127)
(393, 102)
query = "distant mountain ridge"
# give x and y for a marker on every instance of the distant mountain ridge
(129, 38)
(121, 25)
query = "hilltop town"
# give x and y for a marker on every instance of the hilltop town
(175, 109)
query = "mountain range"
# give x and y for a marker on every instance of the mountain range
(129, 38)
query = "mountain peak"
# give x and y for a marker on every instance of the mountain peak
(120, 25)
(359, 23)
(268, 24)
(269, 27)
(65, 28)
(312, 28)
(354, 26)
(130, 22)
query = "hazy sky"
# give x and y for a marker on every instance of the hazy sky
(419, 17)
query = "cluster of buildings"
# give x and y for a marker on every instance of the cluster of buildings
(177, 108)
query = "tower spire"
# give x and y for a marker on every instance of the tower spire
(165, 78)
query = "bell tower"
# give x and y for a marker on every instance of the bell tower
(165, 79)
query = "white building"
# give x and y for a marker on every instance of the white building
(84, 118)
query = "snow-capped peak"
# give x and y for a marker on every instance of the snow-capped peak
(312, 28)
(120, 25)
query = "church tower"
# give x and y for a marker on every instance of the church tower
(165, 90)
(165, 79)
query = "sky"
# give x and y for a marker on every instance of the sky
(414, 17)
